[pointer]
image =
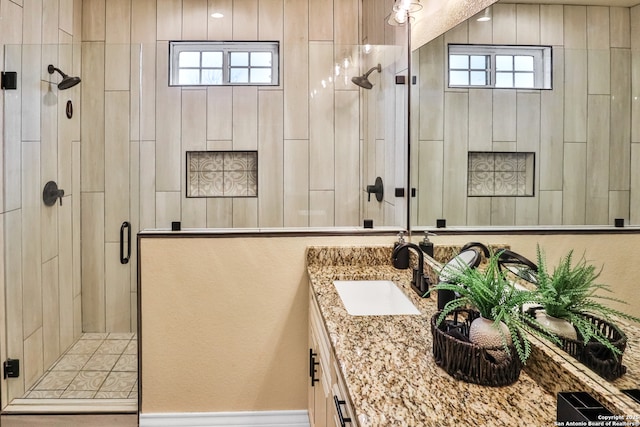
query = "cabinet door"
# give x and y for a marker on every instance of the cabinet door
(319, 394)
(343, 414)
(317, 402)
(311, 384)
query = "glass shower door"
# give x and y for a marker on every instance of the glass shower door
(70, 300)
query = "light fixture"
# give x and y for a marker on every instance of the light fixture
(408, 6)
(217, 15)
(486, 16)
(397, 18)
(401, 11)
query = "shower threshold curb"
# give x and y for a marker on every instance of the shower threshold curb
(72, 406)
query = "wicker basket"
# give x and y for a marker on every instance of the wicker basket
(594, 355)
(466, 361)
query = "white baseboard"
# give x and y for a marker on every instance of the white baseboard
(227, 419)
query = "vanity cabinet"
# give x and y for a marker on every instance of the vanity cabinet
(328, 400)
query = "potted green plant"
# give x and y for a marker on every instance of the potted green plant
(571, 294)
(501, 323)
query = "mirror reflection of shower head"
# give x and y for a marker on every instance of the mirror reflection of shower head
(66, 81)
(363, 80)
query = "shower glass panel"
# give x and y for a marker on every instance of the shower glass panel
(70, 300)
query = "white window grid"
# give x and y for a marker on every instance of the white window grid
(499, 66)
(224, 63)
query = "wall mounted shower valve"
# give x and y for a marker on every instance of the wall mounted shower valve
(377, 189)
(52, 193)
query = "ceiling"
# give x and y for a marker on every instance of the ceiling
(439, 16)
(617, 3)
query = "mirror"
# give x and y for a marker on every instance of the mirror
(580, 136)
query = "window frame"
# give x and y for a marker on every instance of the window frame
(226, 47)
(542, 67)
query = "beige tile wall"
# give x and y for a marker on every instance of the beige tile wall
(40, 277)
(136, 129)
(584, 131)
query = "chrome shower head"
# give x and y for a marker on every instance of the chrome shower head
(363, 80)
(66, 81)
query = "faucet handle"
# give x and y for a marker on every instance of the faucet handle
(377, 189)
(420, 282)
(51, 193)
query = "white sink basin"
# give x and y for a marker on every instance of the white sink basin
(373, 298)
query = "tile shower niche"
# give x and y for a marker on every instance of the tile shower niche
(222, 173)
(501, 174)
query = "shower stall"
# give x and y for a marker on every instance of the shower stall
(70, 209)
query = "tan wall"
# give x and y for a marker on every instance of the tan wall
(581, 131)
(41, 269)
(224, 320)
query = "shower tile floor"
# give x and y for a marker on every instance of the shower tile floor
(97, 366)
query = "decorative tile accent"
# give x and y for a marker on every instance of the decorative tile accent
(500, 174)
(112, 347)
(127, 363)
(101, 362)
(122, 335)
(132, 348)
(119, 381)
(94, 336)
(56, 380)
(88, 380)
(252, 183)
(481, 182)
(506, 183)
(71, 362)
(222, 174)
(85, 347)
(97, 366)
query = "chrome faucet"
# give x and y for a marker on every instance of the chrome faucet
(420, 283)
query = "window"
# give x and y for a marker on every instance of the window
(500, 174)
(223, 63)
(516, 67)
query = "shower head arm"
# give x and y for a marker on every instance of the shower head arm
(377, 67)
(51, 69)
(66, 81)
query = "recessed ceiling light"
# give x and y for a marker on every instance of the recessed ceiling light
(217, 15)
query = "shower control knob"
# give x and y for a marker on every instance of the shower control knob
(52, 193)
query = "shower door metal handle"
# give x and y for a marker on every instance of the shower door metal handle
(123, 259)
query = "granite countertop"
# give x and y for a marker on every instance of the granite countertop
(387, 361)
